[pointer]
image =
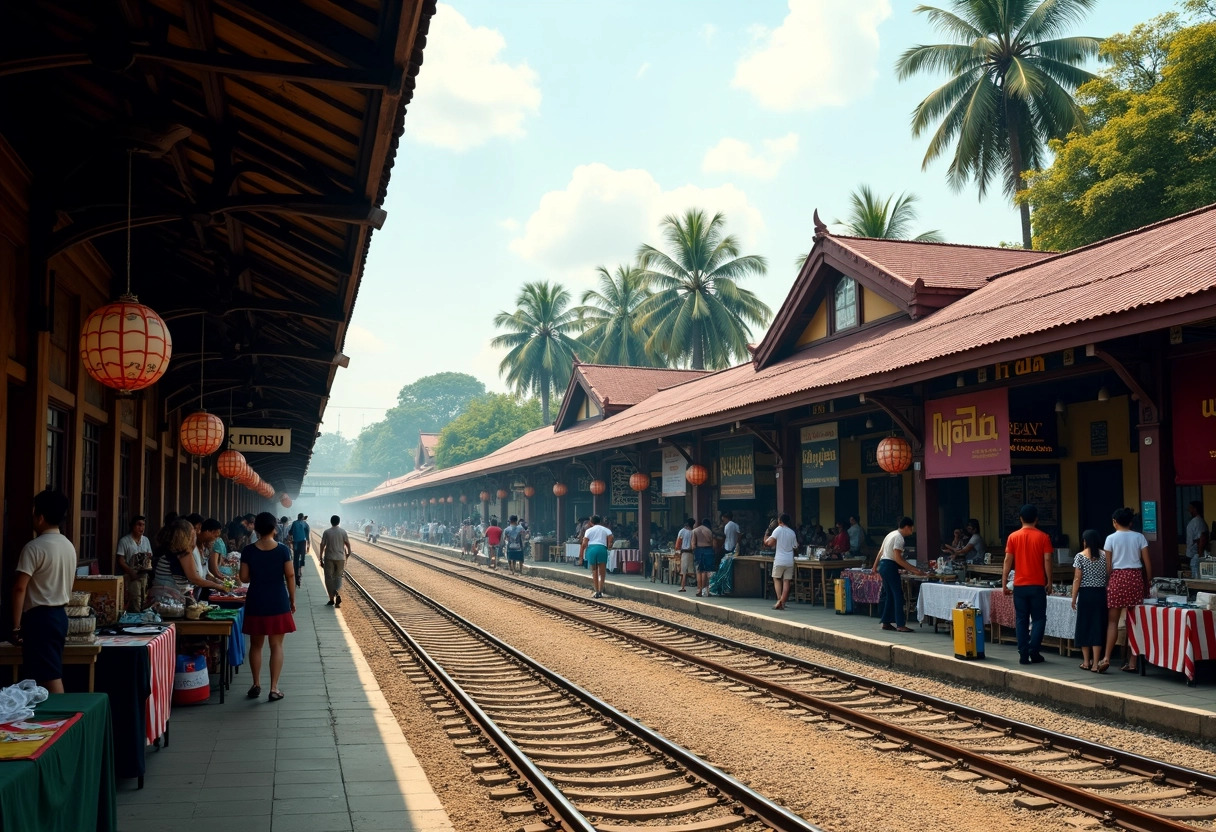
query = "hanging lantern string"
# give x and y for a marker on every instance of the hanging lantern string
(128, 222)
(202, 358)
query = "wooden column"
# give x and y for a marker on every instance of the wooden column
(789, 471)
(924, 511)
(644, 509)
(559, 515)
(599, 502)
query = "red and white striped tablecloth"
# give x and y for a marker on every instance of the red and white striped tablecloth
(1172, 637)
(162, 651)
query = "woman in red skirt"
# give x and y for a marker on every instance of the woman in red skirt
(267, 567)
(1130, 573)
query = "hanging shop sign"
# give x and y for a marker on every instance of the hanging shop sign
(967, 436)
(1194, 421)
(260, 440)
(820, 456)
(623, 496)
(674, 468)
(1033, 434)
(737, 466)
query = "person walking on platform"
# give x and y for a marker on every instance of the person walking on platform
(684, 550)
(46, 568)
(1131, 574)
(1089, 600)
(1028, 553)
(493, 539)
(268, 567)
(335, 549)
(784, 541)
(890, 560)
(703, 554)
(597, 540)
(134, 558)
(513, 534)
(297, 536)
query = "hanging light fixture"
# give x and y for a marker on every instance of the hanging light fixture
(202, 433)
(502, 493)
(869, 423)
(1060, 406)
(230, 464)
(696, 474)
(559, 489)
(639, 481)
(894, 454)
(1103, 394)
(125, 345)
(597, 487)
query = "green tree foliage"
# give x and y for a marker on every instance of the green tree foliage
(1150, 151)
(539, 341)
(698, 312)
(612, 330)
(387, 447)
(331, 454)
(1011, 72)
(488, 423)
(886, 219)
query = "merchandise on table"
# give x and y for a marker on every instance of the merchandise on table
(108, 598)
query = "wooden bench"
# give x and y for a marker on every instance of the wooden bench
(10, 654)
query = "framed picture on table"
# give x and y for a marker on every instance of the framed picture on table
(1207, 570)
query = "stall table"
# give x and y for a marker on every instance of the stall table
(572, 550)
(866, 586)
(1198, 585)
(1171, 637)
(231, 643)
(822, 568)
(992, 572)
(937, 600)
(70, 787)
(752, 575)
(1061, 618)
(86, 654)
(136, 671)
(617, 558)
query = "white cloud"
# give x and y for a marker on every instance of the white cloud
(360, 340)
(602, 215)
(708, 30)
(510, 224)
(736, 156)
(467, 94)
(642, 70)
(822, 54)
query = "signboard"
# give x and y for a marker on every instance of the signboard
(621, 495)
(1033, 434)
(967, 436)
(1148, 516)
(737, 465)
(1038, 485)
(1194, 421)
(1099, 440)
(820, 456)
(674, 468)
(260, 440)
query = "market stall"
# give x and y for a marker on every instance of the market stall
(1061, 617)
(866, 585)
(136, 672)
(69, 786)
(1171, 637)
(618, 558)
(936, 601)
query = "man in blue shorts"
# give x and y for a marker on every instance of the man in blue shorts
(597, 540)
(43, 587)
(298, 535)
(703, 554)
(513, 538)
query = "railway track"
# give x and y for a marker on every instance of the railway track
(554, 754)
(1115, 788)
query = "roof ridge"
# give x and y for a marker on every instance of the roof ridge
(1098, 243)
(942, 244)
(636, 367)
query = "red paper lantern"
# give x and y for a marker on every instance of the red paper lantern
(502, 493)
(464, 498)
(433, 501)
(696, 475)
(559, 489)
(485, 496)
(529, 492)
(639, 481)
(894, 454)
(125, 345)
(450, 500)
(230, 464)
(202, 433)
(285, 502)
(597, 487)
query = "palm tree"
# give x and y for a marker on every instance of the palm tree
(1012, 75)
(541, 350)
(871, 216)
(698, 311)
(610, 320)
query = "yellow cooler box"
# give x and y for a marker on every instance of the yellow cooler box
(968, 633)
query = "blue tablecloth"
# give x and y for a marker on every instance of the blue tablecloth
(236, 641)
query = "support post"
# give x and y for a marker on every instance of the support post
(788, 471)
(644, 511)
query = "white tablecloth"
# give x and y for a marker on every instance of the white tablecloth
(937, 600)
(617, 558)
(1061, 617)
(572, 552)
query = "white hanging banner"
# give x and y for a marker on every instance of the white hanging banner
(674, 468)
(260, 440)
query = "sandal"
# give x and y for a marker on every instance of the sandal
(254, 692)
(1085, 666)
(1102, 666)
(274, 696)
(1129, 669)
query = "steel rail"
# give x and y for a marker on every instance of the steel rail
(1128, 817)
(565, 812)
(773, 814)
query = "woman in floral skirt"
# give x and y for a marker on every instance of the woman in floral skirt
(266, 566)
(1130, 573)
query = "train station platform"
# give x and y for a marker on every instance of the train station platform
(329, 757)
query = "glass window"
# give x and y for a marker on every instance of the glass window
(90, 474)
(56, 449)
(845, 304)
(125, 482)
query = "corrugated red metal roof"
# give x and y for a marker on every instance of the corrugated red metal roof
(429, 441)
(938, 265)
(1167, 261)
(627, 386)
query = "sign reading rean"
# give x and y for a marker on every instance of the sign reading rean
(968, 436)
(260, 440)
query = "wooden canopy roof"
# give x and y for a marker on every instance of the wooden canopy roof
(260, 139)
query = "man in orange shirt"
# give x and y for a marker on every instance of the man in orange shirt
(1028, 554)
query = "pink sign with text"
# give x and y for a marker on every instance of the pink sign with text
(967, 436)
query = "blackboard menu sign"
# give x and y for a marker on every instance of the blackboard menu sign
(884, 502)
(1099, 442)
(1038, 485)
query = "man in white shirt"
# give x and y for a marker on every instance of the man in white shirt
(890, 560)
(730, 530)
(857, 536)
(134, 558)
(46, 569)
(596, 542)
(684, 550)
(335, 549)
(1196, 536)
(783, 540)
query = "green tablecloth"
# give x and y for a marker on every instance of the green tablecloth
(70, 788)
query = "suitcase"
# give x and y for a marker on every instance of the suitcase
(968, 633)
(844, 595)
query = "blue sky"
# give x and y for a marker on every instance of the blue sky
(549, 136)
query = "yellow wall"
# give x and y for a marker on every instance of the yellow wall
(875, 306)
(817, 328)
(823, 511)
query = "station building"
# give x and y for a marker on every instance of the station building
(1078, 382)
